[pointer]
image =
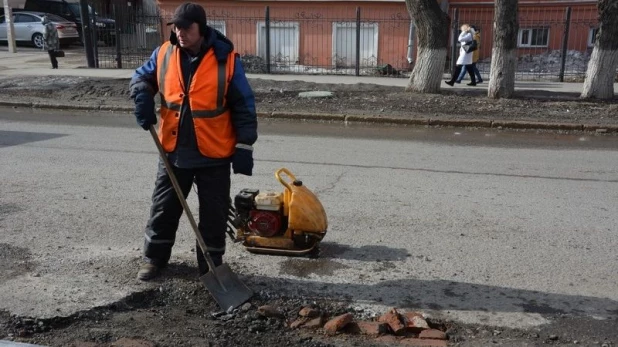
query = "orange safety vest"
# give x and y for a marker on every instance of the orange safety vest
(212, 119)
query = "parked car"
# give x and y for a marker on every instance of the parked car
(28, 28)
(106, 28)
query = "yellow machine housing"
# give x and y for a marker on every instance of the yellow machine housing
(288, 223)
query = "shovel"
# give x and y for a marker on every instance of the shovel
(222, 283)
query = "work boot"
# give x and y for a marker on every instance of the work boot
(148, 271)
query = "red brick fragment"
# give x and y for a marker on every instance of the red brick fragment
(309, 312)
(373, 328)
(414, 322)
(337, 323)
(433, 334)
(299, 322)
(394, 320)
(270, 311)
(315, 323)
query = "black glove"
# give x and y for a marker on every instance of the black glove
(145, 110)
(242, 161)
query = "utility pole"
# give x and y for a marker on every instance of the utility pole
(10, 29)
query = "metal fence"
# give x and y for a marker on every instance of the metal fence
(124, 36)
(554, 42)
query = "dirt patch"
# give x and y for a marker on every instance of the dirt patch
(348, 99)
(14, 261)
(181, 313)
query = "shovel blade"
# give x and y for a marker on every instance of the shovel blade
(225, 287)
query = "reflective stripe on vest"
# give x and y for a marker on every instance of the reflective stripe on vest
(206, 95)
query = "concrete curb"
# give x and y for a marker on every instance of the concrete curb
(458, 123)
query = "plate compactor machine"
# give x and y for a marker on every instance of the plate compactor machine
(289, 223)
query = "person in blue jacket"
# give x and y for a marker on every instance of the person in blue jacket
(208, 120)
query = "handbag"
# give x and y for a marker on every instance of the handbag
(59, 54)
(471, 47)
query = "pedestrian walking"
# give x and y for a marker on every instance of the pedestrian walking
(208, 121)
(465, 58)
(50, 40)
(475, 58)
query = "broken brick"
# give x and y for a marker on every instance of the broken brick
(414, 322)
(433, 334)
(373, 328)
(269, 311)
(394, 320)
(337, 323)
(423, 342)
(315, 323)
(298, 323)
(309, 312)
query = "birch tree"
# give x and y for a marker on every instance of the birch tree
(504, 50)
(602, 66)
(432, 31)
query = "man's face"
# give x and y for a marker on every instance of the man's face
(188, 37)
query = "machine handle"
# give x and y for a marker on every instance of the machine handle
(288, 173)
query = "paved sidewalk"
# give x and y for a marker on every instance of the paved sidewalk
(36, 63)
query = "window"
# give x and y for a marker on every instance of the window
(1, 19)
(218, 25)
(592, 36)
(54, 18)
(536, 37)
(344, 44)
(25, 18)
(284, 38)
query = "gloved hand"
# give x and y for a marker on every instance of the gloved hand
(242, 161)
(145, 110)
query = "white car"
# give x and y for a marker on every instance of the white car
(28, 28)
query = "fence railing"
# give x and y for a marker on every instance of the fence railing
(554, 42)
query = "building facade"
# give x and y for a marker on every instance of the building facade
(342, 36)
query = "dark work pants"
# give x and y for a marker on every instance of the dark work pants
(458, 71)
(52, 57)
(213, 189)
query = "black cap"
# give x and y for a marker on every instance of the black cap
(187, 14)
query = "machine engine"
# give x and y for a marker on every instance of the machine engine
(260, 213)
(288, 223)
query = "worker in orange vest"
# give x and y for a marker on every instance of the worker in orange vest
(208, 121)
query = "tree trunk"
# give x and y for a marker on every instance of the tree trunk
(432, 28)
(504, 51)
(602, 66)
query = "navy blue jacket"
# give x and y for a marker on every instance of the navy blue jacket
(240, 100)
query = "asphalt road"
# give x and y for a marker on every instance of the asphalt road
(492, 227)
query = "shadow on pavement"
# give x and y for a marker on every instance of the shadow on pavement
(448, 295)
(364, 253)
(15, 138)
